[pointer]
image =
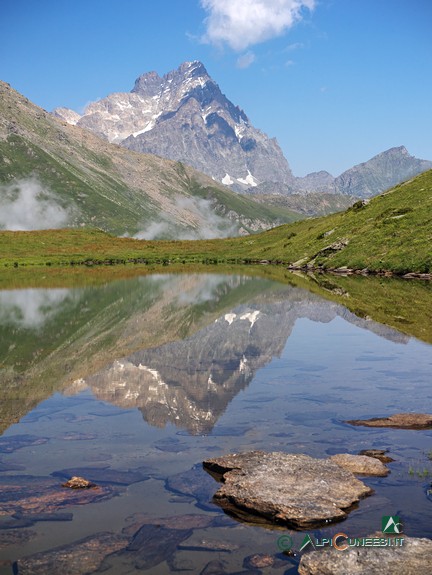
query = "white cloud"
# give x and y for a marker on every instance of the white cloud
(27, 205)
(243, 23)
(31, 308)
(211, 225)
(245, 60)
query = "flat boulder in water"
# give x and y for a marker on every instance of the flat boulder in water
(288, 489)
(361, 464)
(398, 421)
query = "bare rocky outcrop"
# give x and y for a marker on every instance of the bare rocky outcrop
(398, 421)
(413, 557)
(288, 489)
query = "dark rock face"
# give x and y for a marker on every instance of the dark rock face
(414, 557)
(289, 489)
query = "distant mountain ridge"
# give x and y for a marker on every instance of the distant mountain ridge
(381, 172)
(184, 116)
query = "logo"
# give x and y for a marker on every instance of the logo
(306, 541)
(391, 524)
(285, 543)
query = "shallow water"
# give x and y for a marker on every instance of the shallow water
(156, 374)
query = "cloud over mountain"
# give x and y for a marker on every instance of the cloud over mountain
(243, 23)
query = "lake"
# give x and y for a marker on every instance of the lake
(133, 383)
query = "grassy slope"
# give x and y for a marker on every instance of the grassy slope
(392, 233)
(110, 187)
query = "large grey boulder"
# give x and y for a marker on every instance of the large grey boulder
(289, 489)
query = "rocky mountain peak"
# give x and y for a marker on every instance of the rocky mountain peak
(148, 84)
(184, 116)
(192, 69)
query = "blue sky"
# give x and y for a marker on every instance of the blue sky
(335, 81)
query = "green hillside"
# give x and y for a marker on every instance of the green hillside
(391, 233)
(106, 186)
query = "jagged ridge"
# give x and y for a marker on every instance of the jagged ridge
(184, 116)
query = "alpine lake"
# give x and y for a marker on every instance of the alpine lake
(132, 382)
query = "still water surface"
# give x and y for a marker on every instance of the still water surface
(155, 374)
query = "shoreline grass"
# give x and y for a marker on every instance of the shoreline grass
(390, 234)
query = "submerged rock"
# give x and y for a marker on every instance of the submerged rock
(379, 454)
(105, 475)
(196, 483)
(83, 556)
(153, 544)
(398, 420)
(16, 537)
(11, 466)
(288, 489)
(214, 567)
(195, 543)
(217, 567)
(258, 561)
(13, 442)
(414, 557)
(28, 495)
(188, 521)
(361, 464)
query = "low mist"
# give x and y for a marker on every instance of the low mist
(28, 205)
(31, 308)
(211, 224)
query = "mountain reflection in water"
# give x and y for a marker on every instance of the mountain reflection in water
(134, 383)
(183, 345)
(190, 382)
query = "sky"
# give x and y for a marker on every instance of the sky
(334, 81)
